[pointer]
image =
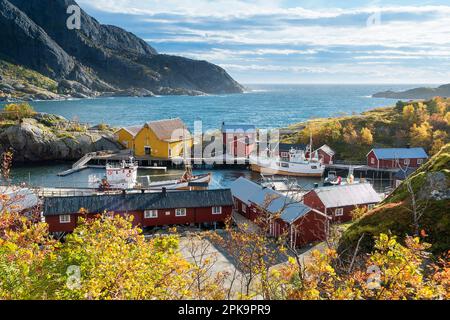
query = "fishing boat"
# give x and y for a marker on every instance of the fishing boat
(298, 164)
(124, 177)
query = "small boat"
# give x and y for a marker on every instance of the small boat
(334, 180)
(124, 177)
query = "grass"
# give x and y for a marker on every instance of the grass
(27, 76)
(393, 216)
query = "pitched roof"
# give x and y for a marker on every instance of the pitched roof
(402, 175)
(400, 153)
(347, 195)
(269, 199)
(238, 126)
(19, 198)
(165, 128)
(133, 130)
(325, 148)
(138, 201)
(243, 189)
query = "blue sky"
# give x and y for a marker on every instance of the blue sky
(285, 41)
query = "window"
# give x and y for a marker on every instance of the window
(216, 210)
(244, 208)
(180, 212)
(125, 143)
(372, 160)
(339, 212)
(170, 152)
(419, 161)
(64, 218)
(370, 206)
(285, 154)
(406, 162)
(148, 150)
(151, 214)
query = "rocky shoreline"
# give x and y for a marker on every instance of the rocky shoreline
(15, 91)
(47, 137)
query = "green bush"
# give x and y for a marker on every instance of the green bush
(18, 111)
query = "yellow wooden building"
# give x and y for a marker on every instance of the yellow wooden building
(164, 139)
(127, 135)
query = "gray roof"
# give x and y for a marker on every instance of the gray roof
(400, 153)
(402, 175)
(326, 148)
(243, 189)
(347, 195)
(269, 199)
(164, 129)
(138, 201)
(19, 199)
(134, 130)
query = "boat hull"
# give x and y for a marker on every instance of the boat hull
(179, 185)
(281, 172)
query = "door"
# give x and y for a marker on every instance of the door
(148, 150)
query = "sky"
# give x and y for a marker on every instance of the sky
(286, 41)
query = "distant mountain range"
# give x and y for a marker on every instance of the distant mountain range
(418, 93)
(96, 59)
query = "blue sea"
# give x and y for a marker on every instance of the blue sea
(266, 106)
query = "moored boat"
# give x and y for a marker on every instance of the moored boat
(297, 165)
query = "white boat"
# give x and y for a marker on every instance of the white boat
(298, 165)
(124, 177)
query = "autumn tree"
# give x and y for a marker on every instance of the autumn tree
(409, 113)
(440, 139)
(349, 134)
(420, 135)
(366, 136)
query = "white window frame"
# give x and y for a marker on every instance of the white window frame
(244, 207)
(419, 161)
(64, 218)
(180, 212)
(406, 162)
(339, 212)
(372, 160)
(216, 210)
(151, 214)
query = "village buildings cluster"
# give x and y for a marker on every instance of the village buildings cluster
(301, 218)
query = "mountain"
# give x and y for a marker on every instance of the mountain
(418, 93)
(98, 58)
(431, 188)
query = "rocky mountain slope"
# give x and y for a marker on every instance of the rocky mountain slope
(431, 185)
(417, 93)
(98, 58)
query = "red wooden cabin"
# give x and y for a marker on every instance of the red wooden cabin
(148, 209)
